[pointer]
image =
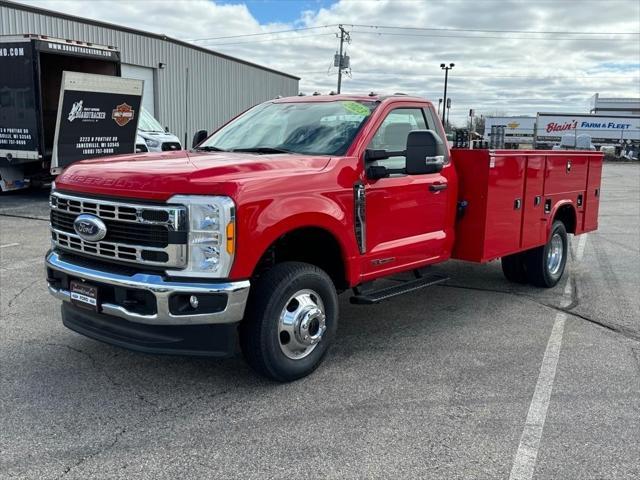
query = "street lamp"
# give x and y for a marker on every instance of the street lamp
(446, 69)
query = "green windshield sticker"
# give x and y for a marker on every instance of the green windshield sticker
(356, 108)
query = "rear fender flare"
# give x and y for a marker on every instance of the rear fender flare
(554, 213)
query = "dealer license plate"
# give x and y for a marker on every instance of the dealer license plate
(84, 295)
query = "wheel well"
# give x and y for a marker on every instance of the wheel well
(310, 245)
(567, 215)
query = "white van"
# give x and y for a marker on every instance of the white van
(152, 137)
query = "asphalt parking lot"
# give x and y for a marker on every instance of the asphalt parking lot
(477, 378)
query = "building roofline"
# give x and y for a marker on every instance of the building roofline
(112, 26)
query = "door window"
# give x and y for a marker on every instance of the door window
(392, 135)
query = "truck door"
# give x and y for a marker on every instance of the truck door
(405, 214)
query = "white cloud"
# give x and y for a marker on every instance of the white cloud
(505, 73)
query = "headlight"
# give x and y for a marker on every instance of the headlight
(212, 231)
(151, 142)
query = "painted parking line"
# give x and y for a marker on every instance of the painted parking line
(7, 245)
(582, 243)
(524, 464)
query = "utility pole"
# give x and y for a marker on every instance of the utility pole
(340, 58)
(446, 79)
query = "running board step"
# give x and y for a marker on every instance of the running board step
(376, 296)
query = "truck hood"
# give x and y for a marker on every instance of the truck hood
(158, 176)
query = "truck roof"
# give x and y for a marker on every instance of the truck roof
(370, 97)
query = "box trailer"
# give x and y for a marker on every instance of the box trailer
(517, 130)
(617, 131)
(31, 69)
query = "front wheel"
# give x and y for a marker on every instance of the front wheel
(545, 265)
(291, 318)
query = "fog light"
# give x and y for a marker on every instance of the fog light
(193, 301)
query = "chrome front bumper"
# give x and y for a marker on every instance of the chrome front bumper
(236, 292)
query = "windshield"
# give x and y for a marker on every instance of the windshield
(315, 128)
(148, 124)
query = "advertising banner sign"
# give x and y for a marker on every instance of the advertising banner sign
(601, 129)
(97, 116)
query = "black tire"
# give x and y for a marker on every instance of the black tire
(260, 338)
(539, 271)
(513, 267)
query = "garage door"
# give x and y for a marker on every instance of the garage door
(146, 74)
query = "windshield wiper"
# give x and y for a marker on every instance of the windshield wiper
(261, 150)
(208, 148)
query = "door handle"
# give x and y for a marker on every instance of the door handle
(436, 187)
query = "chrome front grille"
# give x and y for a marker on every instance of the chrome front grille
(118, 232)
(143, 234)
(123, 212)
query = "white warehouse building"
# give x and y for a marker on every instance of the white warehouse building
(187, 87)
(615, 105)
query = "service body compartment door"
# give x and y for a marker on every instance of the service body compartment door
(565, 173)
(592, 197)
(504, 205)
(533, 220)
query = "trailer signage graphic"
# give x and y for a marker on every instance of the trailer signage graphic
(123, 114)
(18, 118)
(78, 50)
(557, 127)
(12, 52)
(516, 129)
(86, 114)
(96, 117)
(603, 130)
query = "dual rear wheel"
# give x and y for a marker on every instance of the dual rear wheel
(542, 266)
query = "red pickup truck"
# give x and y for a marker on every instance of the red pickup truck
(247, 239)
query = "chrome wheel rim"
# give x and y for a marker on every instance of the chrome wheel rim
(555, 254)
(302, 324)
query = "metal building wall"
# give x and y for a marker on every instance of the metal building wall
(219, 88)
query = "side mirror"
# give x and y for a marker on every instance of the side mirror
(166, 129)
(198, 138)
(425, 152)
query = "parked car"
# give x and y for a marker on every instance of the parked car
(249, 237)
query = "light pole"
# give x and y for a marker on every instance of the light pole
(446, 69)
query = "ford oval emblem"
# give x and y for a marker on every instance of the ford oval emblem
(90, 228)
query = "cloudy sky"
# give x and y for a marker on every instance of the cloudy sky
(511, 56)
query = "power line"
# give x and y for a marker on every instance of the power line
(398, 27)
(491, 37)
(258, 34)
(481, 30)
(288, 39)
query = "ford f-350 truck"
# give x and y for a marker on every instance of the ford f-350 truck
(247, 239)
